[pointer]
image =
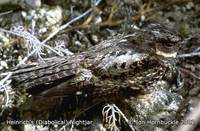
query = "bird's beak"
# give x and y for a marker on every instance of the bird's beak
(172, 54)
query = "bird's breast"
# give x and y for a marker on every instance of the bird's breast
(137, 70)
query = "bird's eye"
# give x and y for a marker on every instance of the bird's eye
(168, 45)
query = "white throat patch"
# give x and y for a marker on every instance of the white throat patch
(158, 52)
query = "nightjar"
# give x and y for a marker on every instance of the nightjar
(120, 66)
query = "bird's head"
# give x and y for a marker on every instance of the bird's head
(159, 40)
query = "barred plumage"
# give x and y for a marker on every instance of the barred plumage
(127, 62)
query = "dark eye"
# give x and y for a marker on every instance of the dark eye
(168, 44)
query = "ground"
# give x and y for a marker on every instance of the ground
(106, 20)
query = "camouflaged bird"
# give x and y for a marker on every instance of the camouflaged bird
(119, 65)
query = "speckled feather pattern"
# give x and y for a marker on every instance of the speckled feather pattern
(108, 68)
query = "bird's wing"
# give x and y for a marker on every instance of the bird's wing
(114, 56)
(40, 77)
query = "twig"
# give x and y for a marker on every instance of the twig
(51, 35)
(6, 78)
(5, 13)
(126, 120)
(71, 128)
(26, 58)
(189, 55)
(188, 72)
(193, 53)
(61, 28)
(29, 37)
(110, 112)
(3, 88)
(103, 24)
(70, 22)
